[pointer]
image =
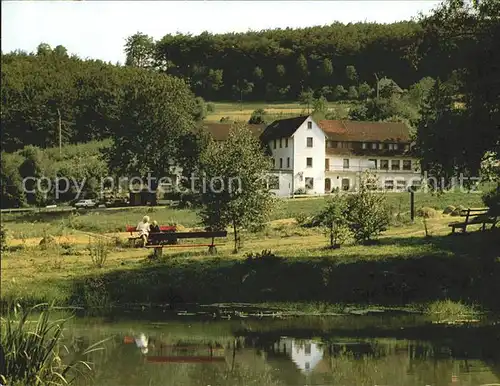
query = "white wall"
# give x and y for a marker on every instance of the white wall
(285, 183)
(302, 152)
(283, 153)
(358, 165)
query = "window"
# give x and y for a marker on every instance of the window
(388, 184)
(395, 165)
(395, 146)
(307, 365)
(332, 144)
(287, 162)
(309, 183)
(401, 184)
(307, 349)
(309, 162)
(407, 165)
(281, 143)
(274, 182)
(374, 146)
(407, 147)
(274, 145)
(364, 145)
(380, 146)
(384, 164)
(274, 163)
(309, 142)
(346, 163)
(309, 125)
(286, 142)
(281, 163)
(327, 163)
(372, 164)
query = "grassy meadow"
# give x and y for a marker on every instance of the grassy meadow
(242, 112)
(406, 268)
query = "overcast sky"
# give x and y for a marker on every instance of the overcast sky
(98, 29)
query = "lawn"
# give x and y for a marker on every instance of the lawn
(406, 268)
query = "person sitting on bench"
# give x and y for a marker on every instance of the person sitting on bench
(154, 228)
(143, 228)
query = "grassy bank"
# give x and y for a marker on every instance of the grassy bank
(405, 269)
(29, 225)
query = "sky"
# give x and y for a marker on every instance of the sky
(98, 29)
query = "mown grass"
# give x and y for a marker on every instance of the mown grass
(405, 268)
(29, 225)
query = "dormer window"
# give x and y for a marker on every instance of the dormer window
(364, 145)
(374, 146)
(309, 125)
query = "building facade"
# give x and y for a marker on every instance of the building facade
(320, 157)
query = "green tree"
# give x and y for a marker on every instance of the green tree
(418, 92)
(200, 110)
(139, 49)
(280, 70)
(235, 168)
(215, 79)
(258, 117)
(306, 98)
(339, 92)
(367, 212)
(258, 73)
(11, 183)
(43, 49)
(365, 91)
(157, 111)
(352, 93)
(320, 105)
(327, 68)
(351, 74)
(333, 219)
(302, 67)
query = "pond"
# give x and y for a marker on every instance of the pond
(231, 348)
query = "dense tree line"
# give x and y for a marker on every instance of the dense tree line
(48, 93)
(334, 60)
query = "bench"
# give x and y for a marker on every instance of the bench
(170, 239)
(133, 229)
(472, 217)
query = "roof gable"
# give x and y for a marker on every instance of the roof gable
(282, 128)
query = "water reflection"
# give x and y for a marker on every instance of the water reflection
(242, 353)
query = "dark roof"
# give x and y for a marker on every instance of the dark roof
(282, 128)
(220, 131)
(366, 131)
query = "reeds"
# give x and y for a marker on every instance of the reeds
(33, 353)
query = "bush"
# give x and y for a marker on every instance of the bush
(333, 219)
(98, 252)
(449, 209)
(210, 107)
(301, 219)
(492, 200)
(265, 255)
(458, 210)
(427, 212)
(367, 213)
(3, 238)
(258, 117)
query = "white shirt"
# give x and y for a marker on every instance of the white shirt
(143, 228)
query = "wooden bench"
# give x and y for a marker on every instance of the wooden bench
(133, 229)
(170, 239)
(474, 217)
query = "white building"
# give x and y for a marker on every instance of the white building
(304, 354)
(318, 157)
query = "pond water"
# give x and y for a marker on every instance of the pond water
(235, 349)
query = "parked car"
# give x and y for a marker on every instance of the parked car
(86, 204)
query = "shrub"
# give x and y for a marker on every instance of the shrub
(258, 117)
(3, 238)
(300, 191)
(449, 209)
(367, 213)
(265, 255)
(31, 351)
(210, 107)
(427, 212)
(99, 251)
(492, 200)
(301, 219)
(458, 210)
(333, 219)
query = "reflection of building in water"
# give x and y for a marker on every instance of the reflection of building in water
(306, 354)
